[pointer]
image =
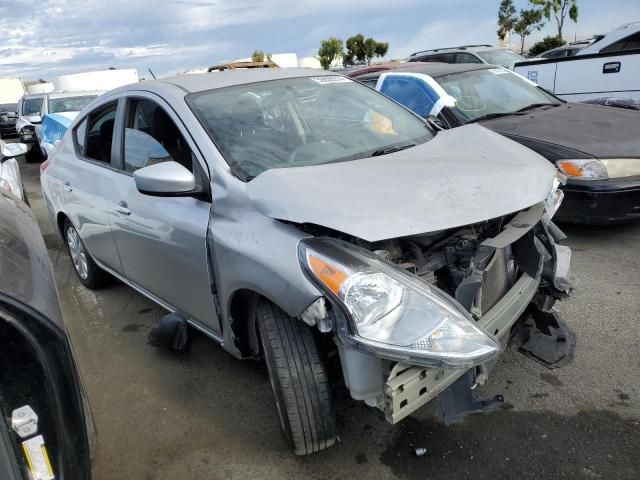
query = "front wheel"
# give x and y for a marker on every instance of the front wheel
(299, 380)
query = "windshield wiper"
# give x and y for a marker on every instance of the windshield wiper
(385, 151)
(494, 115)
(537, 105)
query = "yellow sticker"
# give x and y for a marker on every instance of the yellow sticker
(38, 459)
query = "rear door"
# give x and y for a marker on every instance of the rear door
(162, 240)
(82, 177)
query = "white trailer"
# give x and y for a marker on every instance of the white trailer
(97, 80)
(11, 90)
(608, 68)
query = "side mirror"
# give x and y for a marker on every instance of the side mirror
(11, 150)
(165, 179)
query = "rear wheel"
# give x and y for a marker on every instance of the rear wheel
(87, 270)
(299, 380)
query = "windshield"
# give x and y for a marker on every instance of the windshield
(32, 106)
(481, 93)
(501, 57)
(69, 104)
(8, 107)
(303, 121)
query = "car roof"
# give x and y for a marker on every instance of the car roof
(433, 69)
(208, 81)
(464, 48)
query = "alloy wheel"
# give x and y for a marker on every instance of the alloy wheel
(78, 255)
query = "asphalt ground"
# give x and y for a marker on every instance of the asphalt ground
(205, 415)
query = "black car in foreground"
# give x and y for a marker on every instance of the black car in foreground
(596, 147)
(44, 423)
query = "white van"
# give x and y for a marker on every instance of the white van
(608, 67)
(32, 108)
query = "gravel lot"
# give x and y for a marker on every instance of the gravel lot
(205, 415)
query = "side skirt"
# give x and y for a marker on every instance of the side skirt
(192, 322)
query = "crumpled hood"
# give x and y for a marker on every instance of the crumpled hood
(598, 131)
(462, 176)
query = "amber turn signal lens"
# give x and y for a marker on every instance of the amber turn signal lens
(328, 274)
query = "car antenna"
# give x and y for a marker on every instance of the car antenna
(152, 74)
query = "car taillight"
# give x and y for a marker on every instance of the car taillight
(43, 166)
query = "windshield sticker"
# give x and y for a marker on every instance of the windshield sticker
(331, 79)
(498, 71)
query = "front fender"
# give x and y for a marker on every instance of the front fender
(258, 254)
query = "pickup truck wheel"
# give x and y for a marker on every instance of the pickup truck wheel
(88, 272)
(299, 380)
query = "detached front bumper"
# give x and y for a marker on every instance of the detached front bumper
(601, 202)
(409, 388)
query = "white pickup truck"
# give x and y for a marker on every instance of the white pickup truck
(608, 68)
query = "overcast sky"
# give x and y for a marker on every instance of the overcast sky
(45, 38)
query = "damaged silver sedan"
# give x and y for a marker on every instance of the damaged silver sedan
(299, 217)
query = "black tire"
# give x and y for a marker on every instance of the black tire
(88, 272)
(299, 380)
(34, 154)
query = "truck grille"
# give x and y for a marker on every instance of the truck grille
(495, 281)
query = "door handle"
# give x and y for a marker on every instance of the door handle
(611, 67)
(123, 208)
(67, 187)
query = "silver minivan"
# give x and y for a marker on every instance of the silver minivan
(301, 218)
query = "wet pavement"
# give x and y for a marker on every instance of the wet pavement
(204, 415)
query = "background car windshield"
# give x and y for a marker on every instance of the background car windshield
(302, 121)
(501, 57)
(32, 106)
(483, 92)
(9, 107)
(69, 104)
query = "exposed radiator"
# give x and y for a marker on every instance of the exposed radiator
(495, 282)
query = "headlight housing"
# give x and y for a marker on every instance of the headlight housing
(583, 169)
(555, 196)
(393, 313)
(599, 169)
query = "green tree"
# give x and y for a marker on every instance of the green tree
(363, 49)
(528, 21)
(506, 18)
(257, 56)
(356, 49)
(330, 50)
(547, 43)
(559, 9)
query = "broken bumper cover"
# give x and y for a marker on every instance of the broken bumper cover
(601, 202)
(409, 388)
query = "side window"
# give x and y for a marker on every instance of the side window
(466, 58)
(99, 137)
(631, 42)
(81, 137)
(443, 57)
(151, 137)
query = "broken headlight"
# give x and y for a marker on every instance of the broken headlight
(393, 313)
(555, 196)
